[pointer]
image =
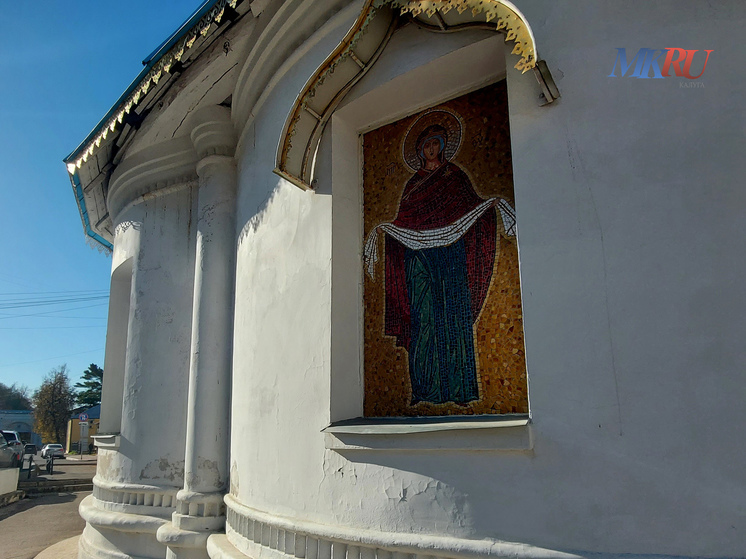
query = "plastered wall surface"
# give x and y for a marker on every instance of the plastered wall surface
(284, 241)
(629, 248)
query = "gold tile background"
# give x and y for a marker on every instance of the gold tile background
(498, 333)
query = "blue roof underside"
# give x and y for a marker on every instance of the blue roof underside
(84, 212)
(150, 61)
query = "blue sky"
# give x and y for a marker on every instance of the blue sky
(63, 64)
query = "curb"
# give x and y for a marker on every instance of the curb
(55, 486)
(11, 497)
(65, 488)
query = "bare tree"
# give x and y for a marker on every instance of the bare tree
(53, 402)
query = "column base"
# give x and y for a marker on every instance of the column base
(183, 544)
(197, 516)
(118, 535)
(219, 547)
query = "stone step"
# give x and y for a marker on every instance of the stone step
(67, 486)
(54, 485)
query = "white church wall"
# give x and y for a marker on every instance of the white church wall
(627, 283)
(158, 356)
(282, 360)
(626, 237)
(281, 364)
(629, 230)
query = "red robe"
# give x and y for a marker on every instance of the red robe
(433, 199)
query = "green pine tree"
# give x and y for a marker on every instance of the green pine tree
(89, 388)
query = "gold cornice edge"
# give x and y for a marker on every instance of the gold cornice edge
(508, 20)
(506, 17)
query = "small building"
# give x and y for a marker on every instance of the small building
(72, 438)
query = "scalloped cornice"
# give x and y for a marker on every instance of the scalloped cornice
(161, 66)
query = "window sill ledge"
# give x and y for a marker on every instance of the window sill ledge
(464, 433)
(108, 441)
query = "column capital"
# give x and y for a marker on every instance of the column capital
(212, 131)
(215, 162)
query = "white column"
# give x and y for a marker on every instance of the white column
(200, 510)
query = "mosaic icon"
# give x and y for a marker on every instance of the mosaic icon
(440, 249)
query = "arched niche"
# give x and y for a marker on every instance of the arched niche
(360, 49)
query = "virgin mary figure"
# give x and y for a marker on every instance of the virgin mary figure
(439, 251)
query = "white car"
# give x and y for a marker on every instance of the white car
(8, 456)
(14, 443)
(49, 450)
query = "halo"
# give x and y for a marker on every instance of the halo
(447, 119)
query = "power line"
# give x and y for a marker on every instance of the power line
(64, 292)
(47, 314)
(50, 327)
(26, 303)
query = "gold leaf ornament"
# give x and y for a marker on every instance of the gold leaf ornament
(507, 21)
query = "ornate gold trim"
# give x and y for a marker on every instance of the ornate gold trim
(507, 19)
(304, 104)
(307, 119)
(152, 78)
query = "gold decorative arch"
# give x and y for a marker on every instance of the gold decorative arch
(362, 46)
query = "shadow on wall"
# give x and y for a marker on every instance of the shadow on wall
(263, 201)
(280, 192)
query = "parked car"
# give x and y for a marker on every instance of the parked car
(8, 455)
(49, 450)
(29, 449)
(14, 442)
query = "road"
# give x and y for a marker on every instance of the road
(33, 524)
(72, 467)
(37, 522)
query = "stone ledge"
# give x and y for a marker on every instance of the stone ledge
(259, 534)
(464, 433)
(134, 494)
(108, 441)
(172, 536)
(404, 425)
